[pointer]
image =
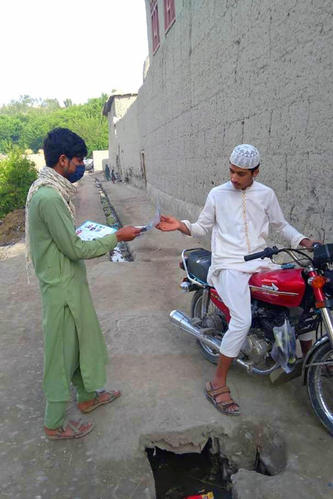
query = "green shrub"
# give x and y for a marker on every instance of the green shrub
(16, 175)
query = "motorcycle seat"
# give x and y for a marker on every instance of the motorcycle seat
(198, 262)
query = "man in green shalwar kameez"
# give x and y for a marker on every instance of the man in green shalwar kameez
(74, 346)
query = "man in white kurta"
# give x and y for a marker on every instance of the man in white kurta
(239, 214)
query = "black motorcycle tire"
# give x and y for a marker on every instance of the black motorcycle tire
(314, 385)
(209, 354)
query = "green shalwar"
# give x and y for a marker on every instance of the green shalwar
(74, 346)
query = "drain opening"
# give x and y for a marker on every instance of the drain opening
(178, 476)
(121, 252)
(260, 466)
(198, 461)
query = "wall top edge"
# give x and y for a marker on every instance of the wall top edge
(108, 103)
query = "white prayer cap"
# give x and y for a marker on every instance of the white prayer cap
(245, 156)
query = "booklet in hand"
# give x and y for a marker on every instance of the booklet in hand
(89, 230)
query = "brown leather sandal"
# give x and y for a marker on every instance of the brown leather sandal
(101, 398)
(73, 429)
(224, 407)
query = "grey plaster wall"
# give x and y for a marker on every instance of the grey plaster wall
(98, 157)
(130, 146)
(120, 105)
(113, 147)
(233, 71)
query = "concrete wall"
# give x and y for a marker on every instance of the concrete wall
(104, 163)
(112, 137)
(130, 147)
(98, 157)
(120, 104)
(38, 159)
(230, 72)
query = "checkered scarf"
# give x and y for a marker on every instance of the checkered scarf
(48, 176)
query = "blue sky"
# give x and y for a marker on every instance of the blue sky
(71, 48)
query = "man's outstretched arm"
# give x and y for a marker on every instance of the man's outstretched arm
(200, 228)
(61, 228)
(168, 224)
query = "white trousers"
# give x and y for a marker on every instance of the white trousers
(233, 287)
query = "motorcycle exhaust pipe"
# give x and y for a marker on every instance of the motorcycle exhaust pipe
(184, 322)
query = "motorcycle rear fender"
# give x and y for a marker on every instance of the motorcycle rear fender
(309, 356)
(218, 302)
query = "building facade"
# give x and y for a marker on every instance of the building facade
(223, 72)
(114, 109)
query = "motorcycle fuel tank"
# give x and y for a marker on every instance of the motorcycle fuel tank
(283, 287)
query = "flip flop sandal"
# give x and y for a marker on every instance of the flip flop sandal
(102, 398)
(211, 394)
(73, 429)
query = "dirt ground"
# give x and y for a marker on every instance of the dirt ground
(161, 375)
(12, 227)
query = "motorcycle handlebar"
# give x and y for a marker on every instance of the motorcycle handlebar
(266, 253)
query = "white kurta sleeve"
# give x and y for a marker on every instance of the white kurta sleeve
(205, 221)
(280, 224)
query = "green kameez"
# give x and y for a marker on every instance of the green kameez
(68, 311)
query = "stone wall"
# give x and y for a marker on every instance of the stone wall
(234, 71)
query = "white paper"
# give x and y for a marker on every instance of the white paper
(150, 225)
(89, 230)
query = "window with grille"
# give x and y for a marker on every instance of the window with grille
(169, 14)
(155, 25)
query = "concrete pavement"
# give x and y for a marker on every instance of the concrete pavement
(161, 375)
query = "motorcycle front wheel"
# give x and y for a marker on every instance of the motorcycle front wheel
(206, 351)
(320, 385)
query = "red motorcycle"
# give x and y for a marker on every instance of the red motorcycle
(290, 301)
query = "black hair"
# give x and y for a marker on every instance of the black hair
(251, 169)
(255, 168)
(63, 141)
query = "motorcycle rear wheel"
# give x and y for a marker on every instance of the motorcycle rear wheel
(207, 352)
(320, 385)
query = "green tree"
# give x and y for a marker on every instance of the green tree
(50, 104)
(68, 102)
(11, 129)
(26, 122)
(16, 175)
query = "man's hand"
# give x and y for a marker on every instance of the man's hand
(168, 224)
(308, 243)
(127, 233)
